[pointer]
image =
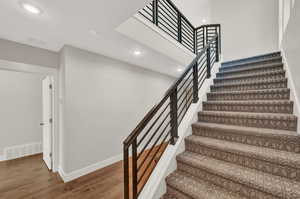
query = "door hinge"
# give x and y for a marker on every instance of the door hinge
(50, 120)
(50, 86)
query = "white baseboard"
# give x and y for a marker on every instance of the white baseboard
(292, 87)
(20, 151)
(67, 177)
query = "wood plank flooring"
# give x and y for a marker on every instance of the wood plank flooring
(29, 178)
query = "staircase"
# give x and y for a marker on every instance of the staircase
(244, 144)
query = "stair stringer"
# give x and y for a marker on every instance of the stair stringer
(291, 85)
(156, 185)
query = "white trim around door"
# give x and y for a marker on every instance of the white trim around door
(47, 71)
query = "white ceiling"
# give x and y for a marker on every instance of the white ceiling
(195, 10)
(71, 21)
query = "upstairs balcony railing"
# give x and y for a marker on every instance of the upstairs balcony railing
(144, 147)
(165, 15)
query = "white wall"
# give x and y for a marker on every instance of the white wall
(21, 108)
(285, 9)
(291, 45)
(22, 53)
(248, 27)
(195, 10)
(104, 101)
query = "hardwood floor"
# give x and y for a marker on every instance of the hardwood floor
(29, 178)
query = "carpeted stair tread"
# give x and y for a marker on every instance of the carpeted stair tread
(196, 188)
(271, 106)
(167, 196)
(264, 94)
(249, 102)
(253, 85)
(246, 61)
(275, 156)
(248, 77)
(262, 120)
(277, 59)
(267, 81)
(257, 68)
(260, 132)
(252, 58)
(271, 184)
(261, 137)
(249, 114)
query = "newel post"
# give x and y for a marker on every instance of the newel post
(195, 83)
(174, 116)
(217, 50)
(208, 62)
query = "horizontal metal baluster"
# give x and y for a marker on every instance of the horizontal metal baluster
(170, 20)
(155, 132)
(150, 128)
(164, 139)
(153, 145)
(178, 89)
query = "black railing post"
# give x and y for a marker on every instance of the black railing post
(195, 83)
(204, 37)
(126, 172)
(155, 12)
(219, 37)
(134, 170)
(174, 117)
(195, 41)
(217, 50)
(208, 62)
(179, 27)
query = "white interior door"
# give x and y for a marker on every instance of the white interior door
(47, 121)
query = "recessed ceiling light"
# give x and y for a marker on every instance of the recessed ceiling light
(31, 8)
(137, 52)
(204, 20)
(179, 70)
(94, 32)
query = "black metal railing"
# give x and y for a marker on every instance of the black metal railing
(147, 142)
(165, 15)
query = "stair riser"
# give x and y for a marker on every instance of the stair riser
(176, 194)
(283, 95)
(251, 59)
(282, 144)
(243, 87)
(275, 68)
(260, 122)
(248, 65)
(237, 187)
(243, 160)
(258, 108)
(250, 79)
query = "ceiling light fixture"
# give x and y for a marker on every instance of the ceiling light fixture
(94, 32)
(31, 8)
(203, 20)
(137, 52)
(179, 70)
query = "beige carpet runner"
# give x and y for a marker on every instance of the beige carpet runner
(244, 144)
